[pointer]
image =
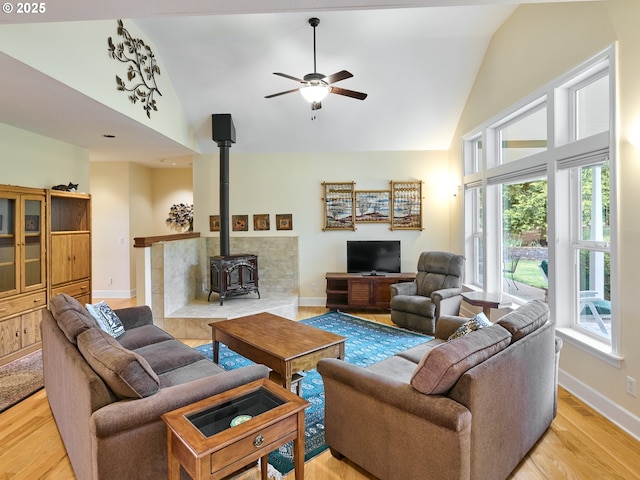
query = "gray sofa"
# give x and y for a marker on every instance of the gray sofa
(469, 408)
(107, 394)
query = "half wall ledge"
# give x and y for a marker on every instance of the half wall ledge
(141, 242)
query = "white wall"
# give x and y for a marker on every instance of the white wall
(292, 183)
(31, 160)
(76, 54)
(111, 209)
(170, 186)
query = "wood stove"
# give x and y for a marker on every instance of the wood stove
(230, 274)
(233, 275)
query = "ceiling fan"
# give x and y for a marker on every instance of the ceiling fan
(316, 86)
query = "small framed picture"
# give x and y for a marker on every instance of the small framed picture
(240, 223)
(261, 222)
(284, 221)
(214, 223)
(32, 223)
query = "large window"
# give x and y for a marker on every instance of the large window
(550, 174)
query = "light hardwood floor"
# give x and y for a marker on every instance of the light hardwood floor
(580, 445)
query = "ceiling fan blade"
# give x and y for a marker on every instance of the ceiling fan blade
(282, 93)
(336, 77)
(348, 93)
(289, 77)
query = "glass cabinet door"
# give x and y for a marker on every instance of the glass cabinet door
(8, 245)
(33, 270)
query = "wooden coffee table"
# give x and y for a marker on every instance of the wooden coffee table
(217, 436)
(285, 346)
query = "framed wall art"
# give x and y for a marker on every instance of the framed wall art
(339, 206)
(372, 206)
(284, 221)
(214, 223)
(261, 222)
(406, 205)
(240, 223)
(32, 223)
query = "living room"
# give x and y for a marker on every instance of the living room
(541, 41)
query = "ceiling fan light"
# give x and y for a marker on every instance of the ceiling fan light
(314, 93)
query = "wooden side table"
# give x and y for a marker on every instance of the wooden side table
(487, 300)
(219, 435)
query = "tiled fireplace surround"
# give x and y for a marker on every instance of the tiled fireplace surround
(180, 269)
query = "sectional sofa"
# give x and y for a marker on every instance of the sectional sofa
(107, 394)
(468, 408)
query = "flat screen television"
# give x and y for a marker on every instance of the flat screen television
(373, 257)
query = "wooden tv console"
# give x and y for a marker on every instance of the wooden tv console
(358, 291)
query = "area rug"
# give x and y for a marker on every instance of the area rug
(20, 378)
(367, 343)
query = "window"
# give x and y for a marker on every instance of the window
(592, 235)
(591, 107)
(550, 174)
(524, 239)
(523, 136)
(474, 154)
(475, 204)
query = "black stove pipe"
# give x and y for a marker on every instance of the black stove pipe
(224, 134)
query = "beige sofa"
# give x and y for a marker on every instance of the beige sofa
(469, 408)
(107, 394)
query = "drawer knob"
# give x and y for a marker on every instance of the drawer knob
(258, 441)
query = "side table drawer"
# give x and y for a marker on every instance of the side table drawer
(253, 443)
(22, 304)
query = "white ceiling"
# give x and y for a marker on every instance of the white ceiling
(416, 63)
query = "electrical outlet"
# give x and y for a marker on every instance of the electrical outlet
(109, 281)
(314, 287)
(631, 386)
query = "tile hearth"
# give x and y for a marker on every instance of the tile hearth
(192, 320)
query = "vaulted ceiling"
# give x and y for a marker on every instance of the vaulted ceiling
(416, 60)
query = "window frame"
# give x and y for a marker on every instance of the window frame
(562, 149)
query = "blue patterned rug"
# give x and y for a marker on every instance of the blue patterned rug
(367, 342)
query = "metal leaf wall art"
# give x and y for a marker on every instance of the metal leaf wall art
(141, 69)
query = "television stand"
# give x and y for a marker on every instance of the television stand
(357, 291)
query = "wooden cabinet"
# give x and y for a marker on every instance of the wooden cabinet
(22, 270)
(70, 244)
(362, 292)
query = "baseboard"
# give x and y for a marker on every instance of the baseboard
(624, 419)
(113, 293)
(312, 301)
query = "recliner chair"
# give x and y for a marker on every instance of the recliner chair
(436, 291)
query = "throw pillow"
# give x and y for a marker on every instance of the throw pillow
(475, 323)
(442, 366)
(126, 373)
(107, 319)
